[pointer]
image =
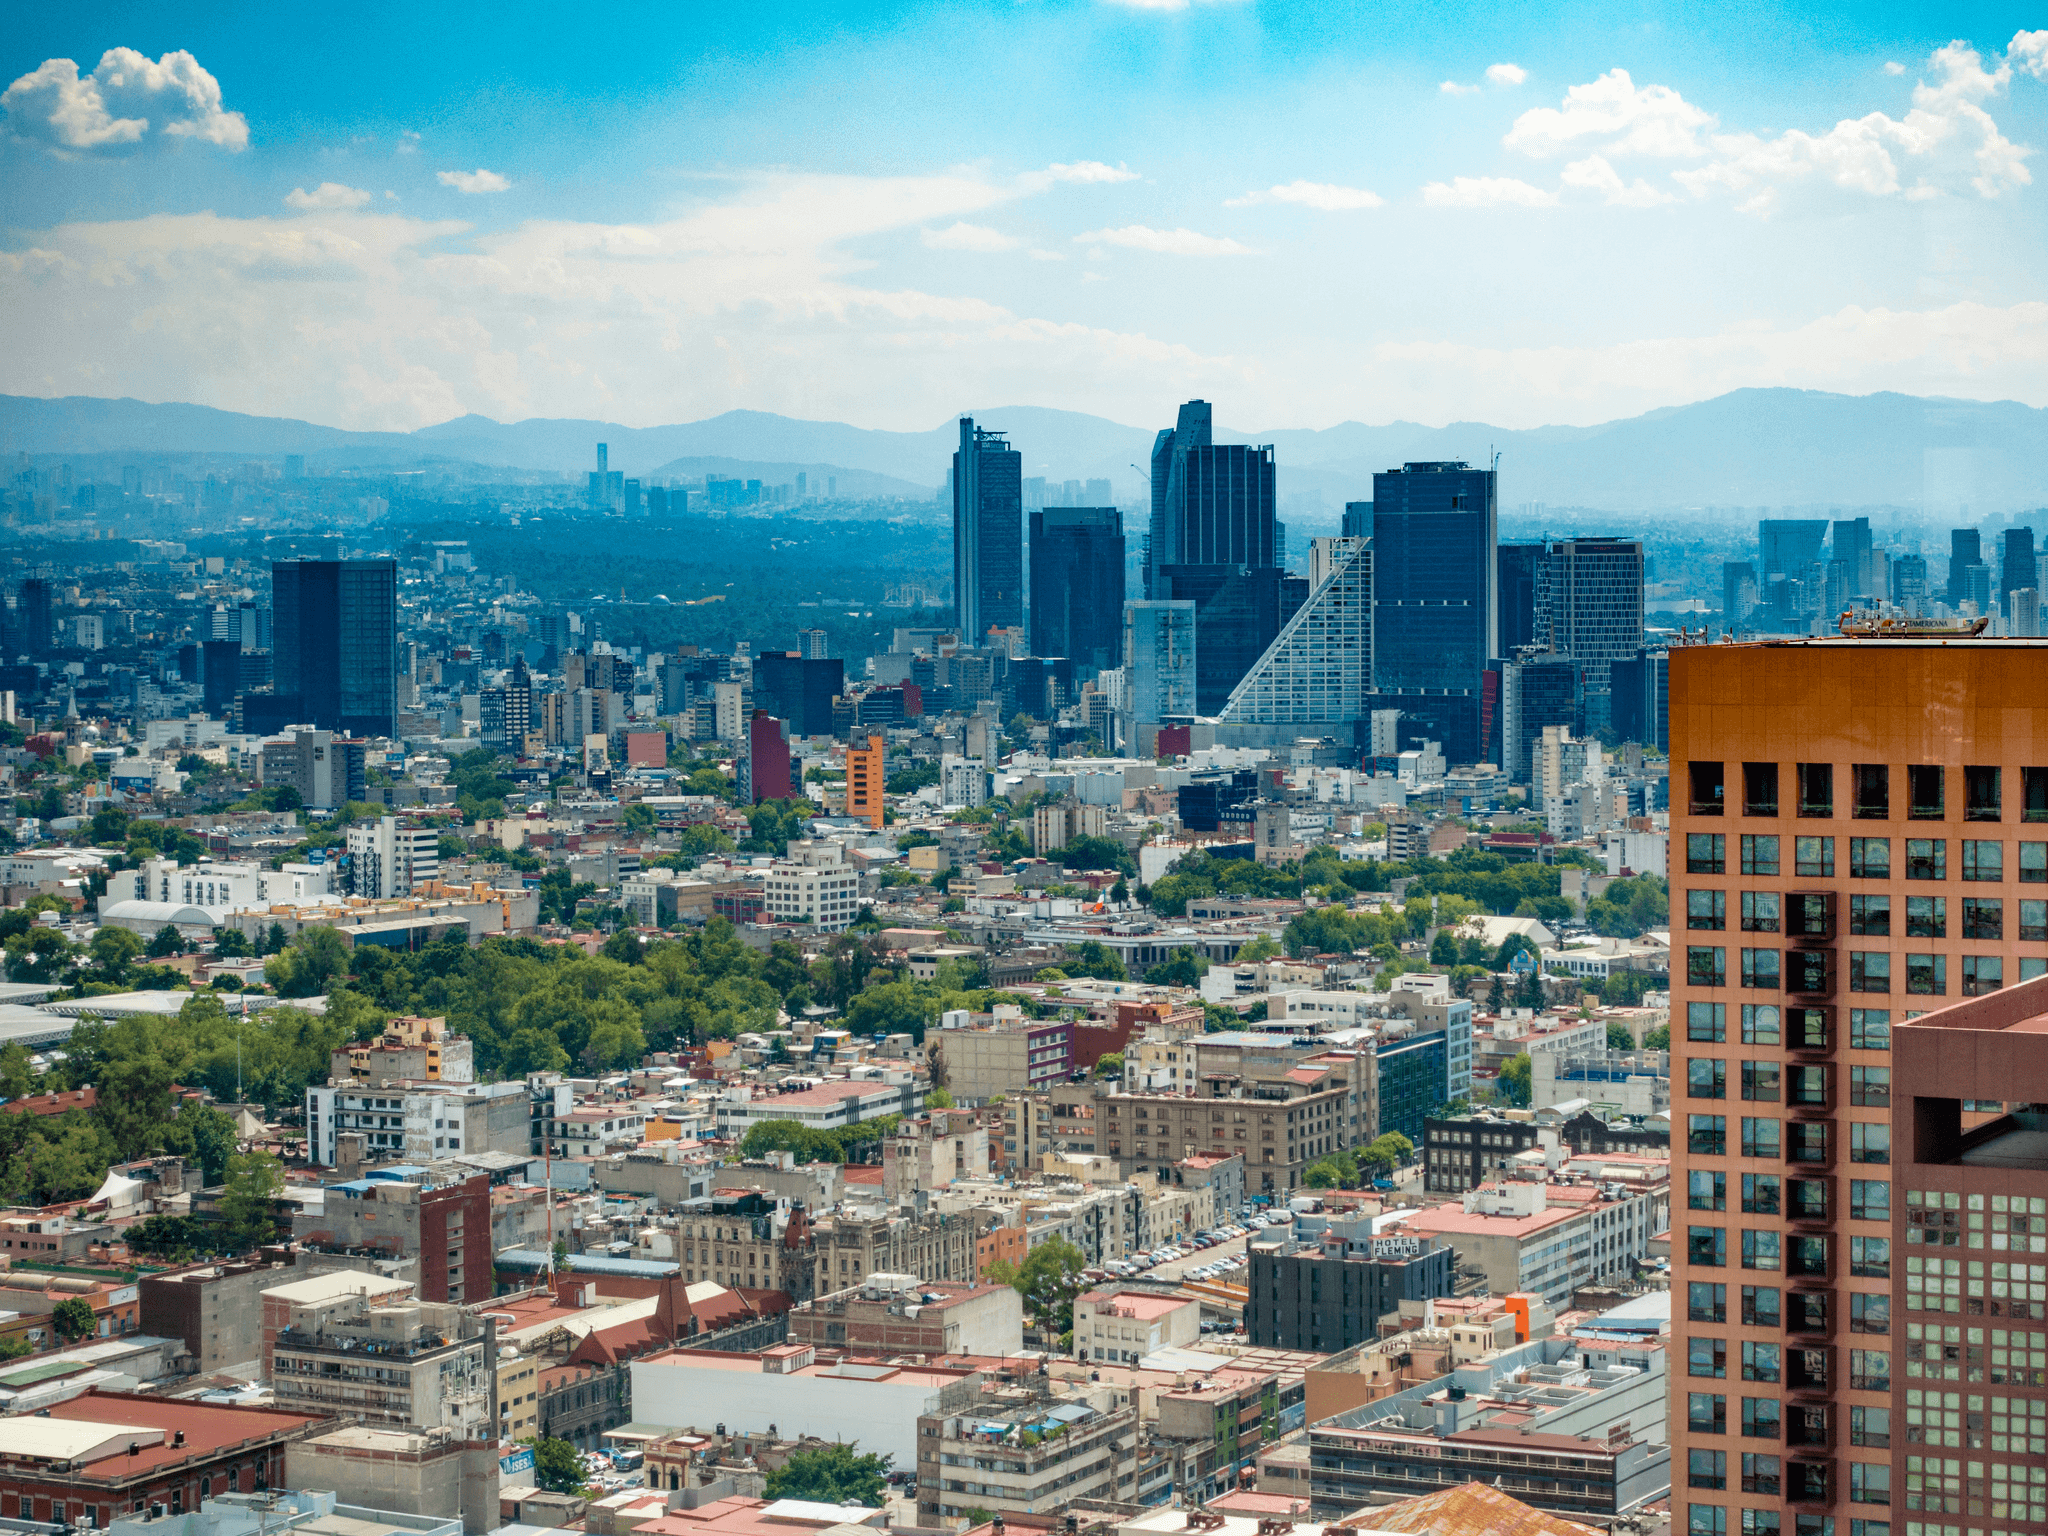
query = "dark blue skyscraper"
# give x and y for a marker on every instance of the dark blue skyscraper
(988, 533)
(2016, 565)
(1077, 586)
(1516, 578)
(1435, 591)
(336, 643)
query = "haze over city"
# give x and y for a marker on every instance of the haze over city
(879, 214)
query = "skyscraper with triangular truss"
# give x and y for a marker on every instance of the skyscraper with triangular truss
(1318, 671)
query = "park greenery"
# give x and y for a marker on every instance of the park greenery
(831, 1474)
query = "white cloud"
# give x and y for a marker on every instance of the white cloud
(478, 180)
(1088, 276)
(329, 194)
(962, 236)
(1486, 192)
(389, 321)
(1311, 194)
(1652, 120)
(1594, 174)
(2028, 51)
(1036, 254)
(114, 107)
(1894, 68)
(1506, 74)
(1453, 88)
(1086, 172)
(1166, 242)
(408, 143)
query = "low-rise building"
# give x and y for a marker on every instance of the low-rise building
(1326, 1285)
(902, 1315)
(1004, 1054)
(825, 896)
(1124, 1323)
(398, 1362)
(1031, 1456)
(1550, 1239)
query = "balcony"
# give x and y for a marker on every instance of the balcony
(1810, 1031)
(1810, 973)
(1809, 1089)
(1810, 1315)
(1810, 917)
(1809, 1429)
(1810, 1369)
(1809, 1483)
(1809, 1200)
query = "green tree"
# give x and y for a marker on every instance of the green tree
(1264, 947)
(938, 1098)
(14, 1346)
(1111, 1065)
(1443, 949)
(1091, 958)
(639, 817)
(1658, 1039)
(557, 1465)
(212, 1133)
(248, 1205)
(314, 960)
(1049, 1279)
(73, 1319)
(1514, 1081)
(1183, 968)
(166, 941)
(831, 1474)
(17, 1071)
(1619, 1036)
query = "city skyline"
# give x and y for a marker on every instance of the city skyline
(1556, 221)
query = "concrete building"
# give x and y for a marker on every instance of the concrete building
(327, 770)
(217, 1309)
(224, 886)
(410, 1050)
(891, 1315)
(828, 1105)
(435, 1221)
(1326, 1289)
(1547, 1239)
(867, 775)
(418, 1123)
(106, 1453)
(387, 859)
(1029, 1457)
(1005, 1055)
(826, 896)
(398, 1362)
(1561, 1435)
(437, 1477)
(1122, 1324)
(800, 1390)
(857, 1241)
(313, 1513)
(1796, 1152)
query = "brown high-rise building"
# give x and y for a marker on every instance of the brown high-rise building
(1859, 836)
(867, 772)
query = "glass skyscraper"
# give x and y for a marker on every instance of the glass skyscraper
(1589, 606)
(988, 533)
(335, 643)
(1435, 621)
(1077, 586)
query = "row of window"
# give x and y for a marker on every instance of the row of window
(1870, 858)
(1770, 970)
(1706, 1301)
(1772, 1082)
(1800, 1254)
(1800, 1141)
(1870, 1370)
(1799, 1029)
(1926, 917)
(1712, 1520)
(1763, 1194)
(1870, 791)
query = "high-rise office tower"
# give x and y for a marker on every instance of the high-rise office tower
(1589, 606)
(2016, 566)
(1849, 543)
(1739, 592)
(1976, 587)
(1789, 546)
(1965, 553)
(1642, 698)
(35, 617)
(1357, 522)
(1535, 691)
(1077, 586)
(1238, 614)
(1857, 1280)
(1318, 671)
(1159, 664)
(988, 532)
(798, 691)
(813, 644)
(336, 642)
(768, 768)
(1435, 618)
(1909, 581)
(1516, 581)
(1169, 454)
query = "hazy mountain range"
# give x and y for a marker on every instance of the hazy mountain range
(1750, 448)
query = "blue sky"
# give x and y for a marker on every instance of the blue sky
(388, 215)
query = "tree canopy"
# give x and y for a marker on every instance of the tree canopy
(838, 1473)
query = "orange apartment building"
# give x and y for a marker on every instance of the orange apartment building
(1859, 837)
(867, 772)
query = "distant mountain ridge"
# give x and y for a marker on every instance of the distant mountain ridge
(1748, 448)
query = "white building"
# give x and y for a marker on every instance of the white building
(729, 710)
(828, 898)
(386, 859)
(420, 1124)
(962, 782)
(826, 1106)
(238, 886)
